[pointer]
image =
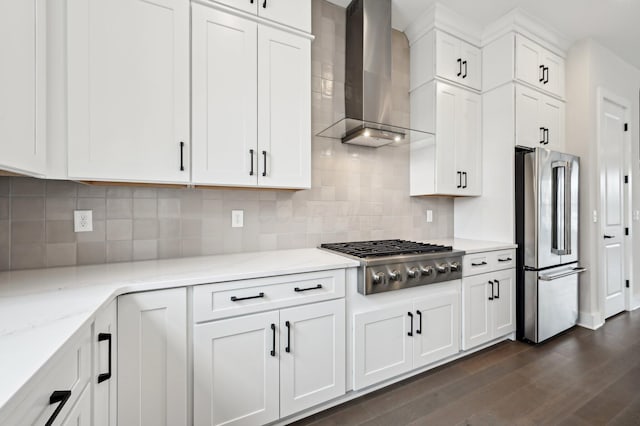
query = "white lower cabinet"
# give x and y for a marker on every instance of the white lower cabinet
(152, 358)
(254, 369)
(489, 307)
(80, 414)
(393, 340)
(105, 364)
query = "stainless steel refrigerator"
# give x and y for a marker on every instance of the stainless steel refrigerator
(547, 186)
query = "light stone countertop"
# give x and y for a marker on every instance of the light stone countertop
(473, 246)
(40, 310)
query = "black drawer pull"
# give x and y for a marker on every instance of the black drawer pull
(273, 344)
(264, 153)
(60, 398)
(410, 333)
(237, 299)
(101, 338)
(298, 289)
(288, 347)
(497, 296)
(182, 156)
(508, 259)
(419, 330)
(483, 263)
(251, 154)
(491, 283)
(264, 5)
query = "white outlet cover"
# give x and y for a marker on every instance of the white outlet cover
(237, 218)
(83, 220)
(429, 215)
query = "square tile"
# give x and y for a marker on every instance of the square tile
(60, 208)
(145, 229)
(119, 251)
(169, 229)
(91, 253)
(5, 203)
(119, 229)
(61, 188)
(61, 254)
(27, 232)
(168, 208)
(98, 206)
(119, 208)
(98, 233)
(92, 191)
(145, 208)
(60, 231)
(27, 186)
(28, 256)
(145, 249)
(31, 208)
(168, 249)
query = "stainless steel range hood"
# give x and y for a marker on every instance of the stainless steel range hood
(368, 102)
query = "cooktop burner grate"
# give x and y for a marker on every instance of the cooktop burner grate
(381, 248)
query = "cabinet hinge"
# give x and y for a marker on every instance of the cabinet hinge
(626, 231)
(627, 283)
(626, 179)
(626, 127)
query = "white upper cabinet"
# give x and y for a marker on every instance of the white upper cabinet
(22, 86)
(251, 103)
(128, 90)
(224, 96)
(293, 13)
(539, 120)
(539, 67)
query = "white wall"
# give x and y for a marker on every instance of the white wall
(591, 66)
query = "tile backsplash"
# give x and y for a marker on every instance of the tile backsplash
(357, 193)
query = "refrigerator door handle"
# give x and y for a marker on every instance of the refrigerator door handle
(561, 216)
(574, 271)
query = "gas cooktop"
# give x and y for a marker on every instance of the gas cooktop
(379, 248)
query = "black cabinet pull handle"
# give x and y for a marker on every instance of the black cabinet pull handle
(465, 180)
(237, 299)
(541, 73)
(546, 136)
(273, 341)
(57, 397)
(459, 179)
(491, 284)
(182, 156)
(508, 259)
(464, 63)
(459, 67)
(264, 5)
(251, 154)
(288, 347)
(410, 333)
(479, 264)
(607, 237)
(264, 153)
(101, 338)
(298, 289)
(542, 135)
(419, 330)
(545, 73)
(497, 296)
(251, 1)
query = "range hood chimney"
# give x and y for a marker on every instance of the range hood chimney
(368, 101)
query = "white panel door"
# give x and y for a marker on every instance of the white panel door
(448, 176)
(312, 355)
(552, 118)
(225, 98)
(152, 358)
(80, 414)
(471, 65)
(476, 310)
(468, 141)
(554, 74)
(448, 58)
(529, 129)
(22, 86)
(236, 364)
(105, 362)
(383, 347)
(503, 303)
(612, 148)
(528, 65)
(128, 90)
(284, 109)
(294, 13)
(437, 328)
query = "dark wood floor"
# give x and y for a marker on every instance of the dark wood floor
(580, 378)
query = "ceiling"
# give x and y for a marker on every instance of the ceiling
(613, 23)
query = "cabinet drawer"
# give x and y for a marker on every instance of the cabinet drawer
(503, 259)
(214, 301)
(480, 263)
(68, 370)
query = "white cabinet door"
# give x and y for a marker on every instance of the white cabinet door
(529, 129)
(471, 65)
(236, 364)
(528, 61)
(477, 306)
(448, 176)
(383, 347)
(284, 109)
(128, 90)
(503, 303)
(554, 74)
(152, 358)
(468, 143)
(437, 328)
(80, 414)
(22, 86)
(293, 13)
(448, 59)
(552, 113)
(224, 96)
(105, 362)
(312, 355)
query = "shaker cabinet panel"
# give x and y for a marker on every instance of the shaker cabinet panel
(105, 367)
(478, 325)
(437, 328)
(458, 61)
(128, 90)
(539, 67)
(539, 120)
(22, 86)
(504, 302)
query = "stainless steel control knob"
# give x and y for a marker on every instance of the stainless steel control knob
(378, 277)
(413, 272)
(442, 269)
(395, 275)
(455, 266)
(427, 270)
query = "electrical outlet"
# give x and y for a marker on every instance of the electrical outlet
(237, 218)
(429, 215)
(595, 216)
(83, 221)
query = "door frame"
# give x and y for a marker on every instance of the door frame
(602, 95)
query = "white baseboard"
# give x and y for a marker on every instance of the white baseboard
(635, 303)
(591, 321)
